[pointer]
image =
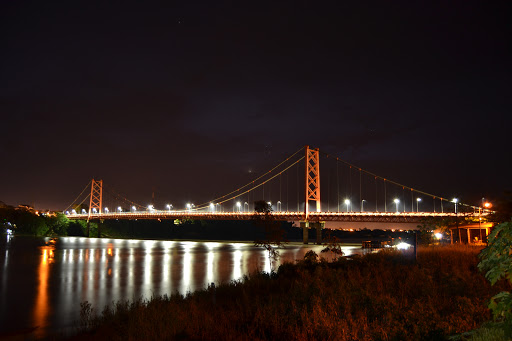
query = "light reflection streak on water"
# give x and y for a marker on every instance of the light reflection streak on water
(210, 277)
(237, 262)
(186, 266)
(41, 307)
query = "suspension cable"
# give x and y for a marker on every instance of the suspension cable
(248, 184)
(86, 186)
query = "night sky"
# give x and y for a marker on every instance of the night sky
(193, 98)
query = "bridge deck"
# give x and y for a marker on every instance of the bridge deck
(405, 217)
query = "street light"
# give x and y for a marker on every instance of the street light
(417, 204)
(120, 209)
(396, 201)
(151, 208)
(212, 207)
(238, 205)
(347, 202)
(362, 205)
(169, 207)
(94, 210)
(84, 211)
(190, 206)
(73, 211)
(246, 203)
(106, 209)
(455, 200)
(279, 206)
(134, 208)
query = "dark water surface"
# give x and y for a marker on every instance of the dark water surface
(43, 281)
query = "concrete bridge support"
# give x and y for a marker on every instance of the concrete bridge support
(319, 225)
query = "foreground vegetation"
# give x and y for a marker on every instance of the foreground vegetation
(384, 296)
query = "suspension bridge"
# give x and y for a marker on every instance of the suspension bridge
(353, 195)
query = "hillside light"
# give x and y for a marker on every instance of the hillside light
(417, 204)
(396, 201)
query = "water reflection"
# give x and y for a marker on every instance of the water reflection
(72, 270)
(41, 307)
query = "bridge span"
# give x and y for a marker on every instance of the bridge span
(389, 217)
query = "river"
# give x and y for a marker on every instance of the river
(43, 281)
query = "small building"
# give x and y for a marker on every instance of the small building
(471, 233)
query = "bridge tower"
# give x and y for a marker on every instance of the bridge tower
(312, 179)
(95, 201)
(312, 191)
(96, 196)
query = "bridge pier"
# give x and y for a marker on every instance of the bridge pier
(319, 225)
(305, 231)
(99, 227)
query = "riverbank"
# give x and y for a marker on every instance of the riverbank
(383, 296)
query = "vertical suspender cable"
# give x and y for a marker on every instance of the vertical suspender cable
(385, 199)
(338, 186)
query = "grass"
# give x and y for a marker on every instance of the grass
(383, 296)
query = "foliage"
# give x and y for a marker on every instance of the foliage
(496, 260)
(333, 244)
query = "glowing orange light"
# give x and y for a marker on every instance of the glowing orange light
(487, 205)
